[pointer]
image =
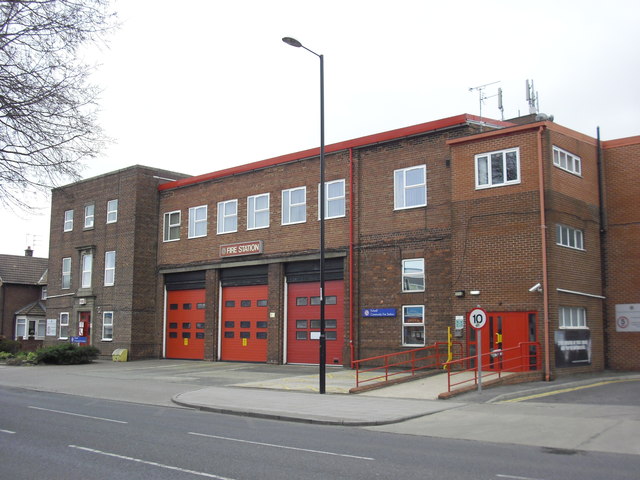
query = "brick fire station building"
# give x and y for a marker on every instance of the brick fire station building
(535, 223)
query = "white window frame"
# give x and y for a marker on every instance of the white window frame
(107, 326)
(567, 161)
(63, 326)
(23, 323)
(569, 237)
(407, 276)
(109, 268)
(68, 220)
(65, 282)
(402, 191)
(288, 208)
(335, 201)
(416, 326)
(572, 318)
(89, 216)
(170, 226)
(87, 269)
(112, 211)
(43, 293)
(197, 222)
(21, 327)
(226, 215)
(255, 215)
(485, 180)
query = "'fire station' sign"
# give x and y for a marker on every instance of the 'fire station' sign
(244, 248)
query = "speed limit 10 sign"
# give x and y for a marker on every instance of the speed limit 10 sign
(477, 318)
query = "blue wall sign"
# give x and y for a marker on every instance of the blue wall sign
(78, 339)
(379, 312)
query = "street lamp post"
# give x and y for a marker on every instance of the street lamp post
(323, 340)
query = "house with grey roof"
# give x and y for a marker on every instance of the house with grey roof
(23, 284)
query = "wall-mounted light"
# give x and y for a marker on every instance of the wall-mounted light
(474, 292)
(459, 293)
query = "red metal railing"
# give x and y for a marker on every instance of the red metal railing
(393, 366)
(523, 358)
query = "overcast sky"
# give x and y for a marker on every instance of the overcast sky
(203, 85)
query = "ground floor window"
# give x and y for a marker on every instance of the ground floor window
(30, 327)
(107, 326)
(572, 317)
(64, 326)
(413, 326)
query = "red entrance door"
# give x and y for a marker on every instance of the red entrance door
(245, 321)
(185, 324)
(84, 328)
(501, 334)
(303, 324)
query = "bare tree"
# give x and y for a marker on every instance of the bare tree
(48, 124)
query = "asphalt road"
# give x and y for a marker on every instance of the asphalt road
(53, 436)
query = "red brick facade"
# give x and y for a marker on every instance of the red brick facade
(133, 236)
(621, 165)
(497, 240)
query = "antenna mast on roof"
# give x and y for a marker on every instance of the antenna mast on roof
(482, 97)
(532, 98)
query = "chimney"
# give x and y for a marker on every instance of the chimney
(28, 252)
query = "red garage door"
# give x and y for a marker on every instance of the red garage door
(244, 323)
(303, 324)
(185, 324)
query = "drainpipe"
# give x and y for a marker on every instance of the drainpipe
(603, 239)
(351, 261)
(545, 272)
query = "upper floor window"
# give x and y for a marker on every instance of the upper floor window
(294, 205)
(228, 216)
(569, 237)
(43, 293)
(334, 199)
(499, 168)
(258, 211)
(66, 272)
(64, 326)
(413, 275)
(87, 269)
(410, 187)
(89, 216)
(572, 317)
(68, 220)
(567, 161)
(171, 226)
(198, 221)
(112, 211)
(109, 268)
(107, 326)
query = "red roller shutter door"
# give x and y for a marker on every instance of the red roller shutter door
(245, 320)
(303, 312)
(185, 324)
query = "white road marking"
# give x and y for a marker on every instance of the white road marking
(282, 446)
(77, 415)
(513, 477)
(7, 431)
(153, 464)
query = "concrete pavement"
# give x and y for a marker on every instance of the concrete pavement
(289, 392)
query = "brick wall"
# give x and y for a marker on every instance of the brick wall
(497, 233)
(622, 240)
(132, 299)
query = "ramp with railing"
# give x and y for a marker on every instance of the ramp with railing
(394, 367)
(462, 372)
